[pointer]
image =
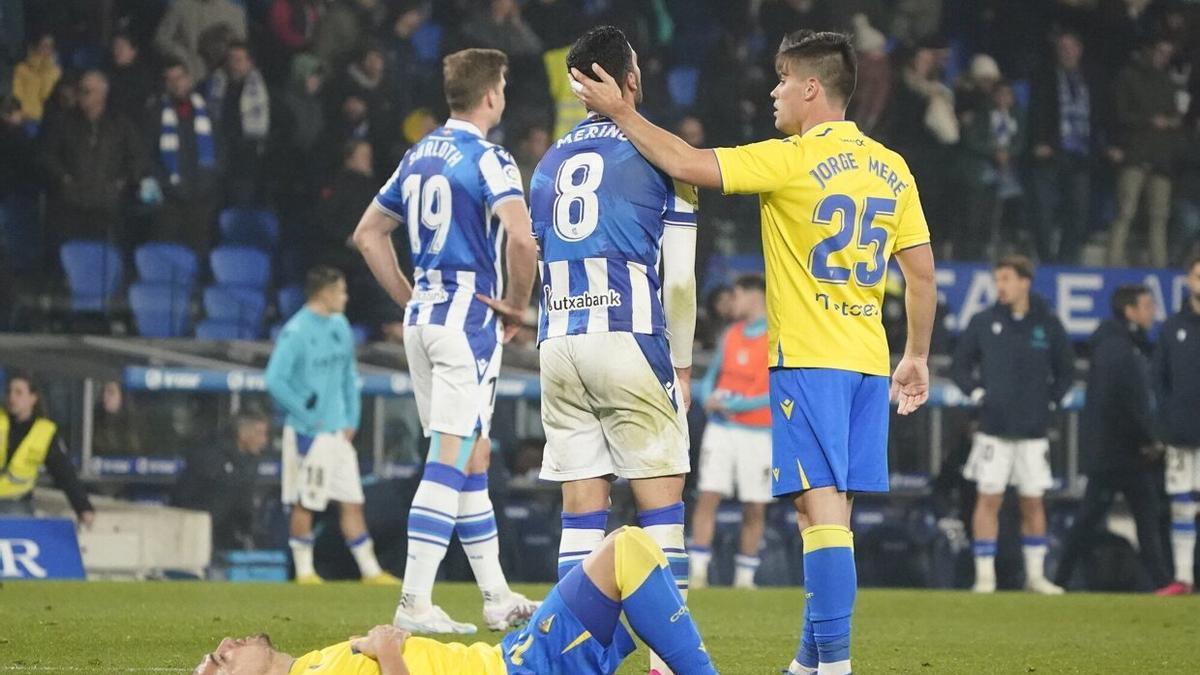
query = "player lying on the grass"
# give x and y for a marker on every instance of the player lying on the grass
(577, 630)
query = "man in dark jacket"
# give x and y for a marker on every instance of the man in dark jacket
(186, 146)
(1025, 367)
(1064, 134)
(1149, 126)
(220, 479)
(1176, 375)
(1116, 434)
(91, 158)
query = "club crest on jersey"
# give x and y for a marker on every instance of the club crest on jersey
(567, 303)
(787, 405)
(996, 327)
(775, 473)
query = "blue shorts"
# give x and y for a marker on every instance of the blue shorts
(828, 428)
(555, 642)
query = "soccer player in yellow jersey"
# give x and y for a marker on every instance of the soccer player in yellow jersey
(836, 206)
(576, 631)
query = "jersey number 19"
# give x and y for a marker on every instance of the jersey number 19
(428, 206)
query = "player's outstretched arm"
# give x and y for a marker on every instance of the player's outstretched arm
(910, 382)
(521, 254)
(373, 238)
(664, 149)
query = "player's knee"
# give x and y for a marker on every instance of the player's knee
(637, 554)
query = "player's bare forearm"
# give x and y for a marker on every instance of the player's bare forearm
(520, 252)
(374, 241)
(920, 298)
(663, 148)
(392, 664)
(672, 154)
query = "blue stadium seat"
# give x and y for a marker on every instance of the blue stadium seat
(290, 263)
(289, 300)
(249, 227)
(236, 304)
(427, 41)
(682, 84)
(241, 266)
(94, 273)
(216, 329)
(166, 263)
(361, 334)
(159, 310)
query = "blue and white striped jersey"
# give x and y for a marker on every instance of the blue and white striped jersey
(599, 210)
(445, 189)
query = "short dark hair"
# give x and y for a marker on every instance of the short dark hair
(1017, 263)
(173, 62)
(319, 278)
(605, 45)
(39, 408)
(242, 45)
(251, 415)
(1127, 296)
(751, 282)
(469, 74)
(830, 55)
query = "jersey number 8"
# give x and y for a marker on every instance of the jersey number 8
(576, 207)
(428, 206)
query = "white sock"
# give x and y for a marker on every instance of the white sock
(430, 525)
(835, 668)
(1183, 537)
(665, 527)
(363, 549)
(796, 669)
(745, 569)
(581, 534)
(476, 526)
(985, 568)
(1034, 550)
(698, 559)
(302, 555)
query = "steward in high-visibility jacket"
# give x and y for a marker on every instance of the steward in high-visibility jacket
(29, 441)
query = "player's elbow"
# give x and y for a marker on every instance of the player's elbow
(362, 238)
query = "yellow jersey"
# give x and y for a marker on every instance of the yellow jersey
(835, 206)
(421, 655)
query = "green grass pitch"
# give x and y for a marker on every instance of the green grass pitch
(48, 627)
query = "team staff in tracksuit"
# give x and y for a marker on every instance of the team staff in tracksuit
(1176, 377)
(1116, 434)
(1015, 360)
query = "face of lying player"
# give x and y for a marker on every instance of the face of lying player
(251, 655)
(1011, 287)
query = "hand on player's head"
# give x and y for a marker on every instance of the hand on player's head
(250, 655)
(603, 97)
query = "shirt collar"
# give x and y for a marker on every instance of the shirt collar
(463, 125)
(828, 125)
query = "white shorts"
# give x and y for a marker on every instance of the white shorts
(1183, 470)
(733, 456)
(454, 378)
(610, 406)
(995, 463)
(327, 471)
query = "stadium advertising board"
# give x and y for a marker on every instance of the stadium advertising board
(39, 548)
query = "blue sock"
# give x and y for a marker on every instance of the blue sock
(653, 605)
(831, 583)
(596, 611)
(807, 655)
(581, 534)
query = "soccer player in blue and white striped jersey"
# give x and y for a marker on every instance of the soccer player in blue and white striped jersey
(615, 335)
(460, 196)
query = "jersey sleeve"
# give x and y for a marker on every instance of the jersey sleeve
(501, 176)
(911, 229)
(758, 167)
(682, 202)
(389, 198)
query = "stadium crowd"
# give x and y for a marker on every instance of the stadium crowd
(1028, 127)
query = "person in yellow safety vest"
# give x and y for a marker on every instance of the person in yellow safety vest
(27, 442)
